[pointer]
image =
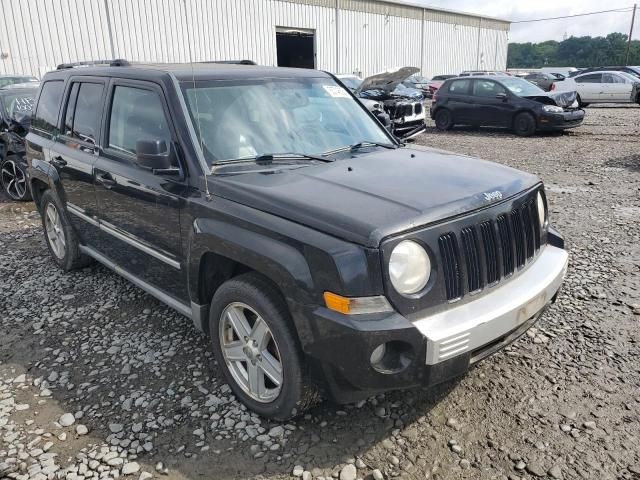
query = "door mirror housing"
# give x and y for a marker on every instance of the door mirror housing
(155, 155)
(501, 96)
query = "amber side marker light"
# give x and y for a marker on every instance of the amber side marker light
(356, 305)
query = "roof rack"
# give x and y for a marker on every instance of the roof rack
(118, 62)
(232, 62)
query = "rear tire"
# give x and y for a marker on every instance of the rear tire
(250, 321)
(13, 178)
(444, 119)
(581, 104)
(60, 237)
(524, 124)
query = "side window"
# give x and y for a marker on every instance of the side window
(590, 78)
(88, 108)
(136, 114)
(611, 78)
(46, 117)
(460, 87)
(487, 88)
(71, 105)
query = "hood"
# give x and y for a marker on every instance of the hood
(369, 197)
(389, 80)
(561, 99)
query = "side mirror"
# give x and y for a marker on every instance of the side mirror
(154, 155)
(501, 96)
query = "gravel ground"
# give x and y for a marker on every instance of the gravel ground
(99, 380)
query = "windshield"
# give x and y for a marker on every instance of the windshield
(521, 87)
(309, 116)
(17, 105)
(629, 76)
(4, 81)
(352, 82)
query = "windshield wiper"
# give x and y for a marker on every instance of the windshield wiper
(268, 158)
(359, 145)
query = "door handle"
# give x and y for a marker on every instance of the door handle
(106, 180)
(58, 161)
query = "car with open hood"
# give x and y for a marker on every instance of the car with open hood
(16, 104)
(404, 105)
(510, 102)
(320, 256)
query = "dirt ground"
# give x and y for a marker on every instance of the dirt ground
(144, 397)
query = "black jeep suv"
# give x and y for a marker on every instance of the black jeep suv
(320, 255)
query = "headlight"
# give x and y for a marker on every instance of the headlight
(552, 109)
(542, 213)
(409, 267)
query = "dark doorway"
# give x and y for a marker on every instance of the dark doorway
(296, 48)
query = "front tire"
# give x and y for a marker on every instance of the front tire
(524, 124)
(13, 178)
(444, 119)
(60, 237)
(255, 345)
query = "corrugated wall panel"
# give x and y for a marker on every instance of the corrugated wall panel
(36, 35)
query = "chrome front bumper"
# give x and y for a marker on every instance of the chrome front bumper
(472, 325)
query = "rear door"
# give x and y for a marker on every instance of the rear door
(591, 88)
(140, 209)
(488, 108)
(459, 100)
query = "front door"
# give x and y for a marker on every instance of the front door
(618, 90)
(491, 104)
(139, 209)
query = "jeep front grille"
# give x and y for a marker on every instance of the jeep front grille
(450, 264)
(489, 251)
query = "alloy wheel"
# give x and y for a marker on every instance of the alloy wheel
(14, 180)
(250, 352)
(55, 232)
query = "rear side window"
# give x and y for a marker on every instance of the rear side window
(46, 117)
(87, 113)
(590, 78)
(460, 87)
(136, 114)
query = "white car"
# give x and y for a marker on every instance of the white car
(603, 87)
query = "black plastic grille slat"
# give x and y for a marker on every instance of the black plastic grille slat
(518, 235)
(528, 230)
(472, 260)
(451, 265)
(536, 223)
(504, 229)
(490, 251)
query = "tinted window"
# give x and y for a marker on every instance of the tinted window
(487, 88)
(460, 87)
(86, 115)
(46, 116)
(590, 78)
(71, 103)
(136, 114)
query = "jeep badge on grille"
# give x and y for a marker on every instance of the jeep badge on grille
(491, 196)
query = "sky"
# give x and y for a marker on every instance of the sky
(594, 25)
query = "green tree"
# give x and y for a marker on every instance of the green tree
(574, 52)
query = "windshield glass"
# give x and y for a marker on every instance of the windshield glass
(4, 81)
(629, 76)
(351, 82)
(17, 105)
(244, 119)
(521, 87)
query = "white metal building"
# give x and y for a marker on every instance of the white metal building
(342, 36)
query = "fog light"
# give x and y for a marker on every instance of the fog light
(378, 354)
(392, 357)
